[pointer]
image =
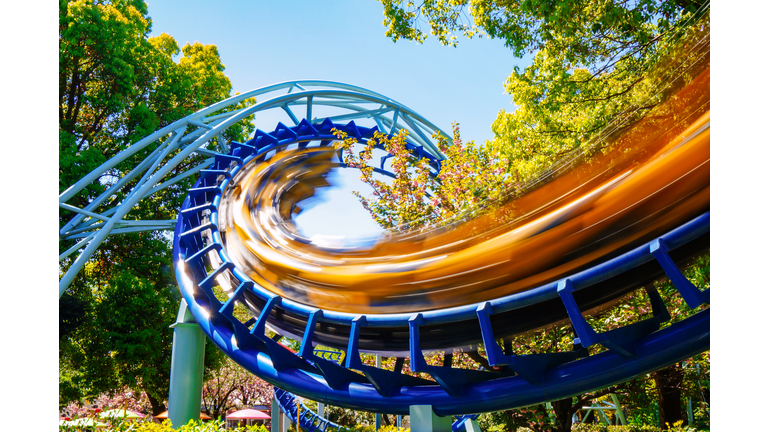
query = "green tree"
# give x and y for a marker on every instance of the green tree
(125, 339)
(588, 31)
(232, 387)
(117, 85)
(593, 60)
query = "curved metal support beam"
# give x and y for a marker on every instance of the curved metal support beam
(150, 174)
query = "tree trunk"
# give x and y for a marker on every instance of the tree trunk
(562, 409)
(157, 405)
(668, 383)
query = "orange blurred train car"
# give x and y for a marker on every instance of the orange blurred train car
(649, 179)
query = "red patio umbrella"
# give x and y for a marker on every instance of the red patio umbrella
(248, 414)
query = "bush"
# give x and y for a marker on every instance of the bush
(372, 428)
(599, 427)
(393, 429)
(165, 426)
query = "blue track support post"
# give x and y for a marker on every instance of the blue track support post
(690, 293)
(424, 419)
(187, 357)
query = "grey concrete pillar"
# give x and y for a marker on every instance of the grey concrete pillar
(472, 426)
(423, 419)
(285, 422)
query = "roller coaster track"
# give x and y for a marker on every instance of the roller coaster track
(632, 350)
(310, 421)
(576, 251)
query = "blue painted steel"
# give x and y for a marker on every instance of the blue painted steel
(452, 380)
(531, 367)
(623, 339)
(692, 296)
(306, 343)
(313, 422)
(632, 350)
(352, 359)
(309, 420)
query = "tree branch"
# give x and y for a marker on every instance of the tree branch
(609, 96)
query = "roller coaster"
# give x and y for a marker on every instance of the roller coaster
(606, 221)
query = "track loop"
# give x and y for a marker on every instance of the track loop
(212, 283)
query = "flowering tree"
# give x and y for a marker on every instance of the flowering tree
(470, 177)
(123, 398)
(231, 387)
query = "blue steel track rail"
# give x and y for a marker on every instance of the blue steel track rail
(311, 421)
(308, 419)
(522, 379)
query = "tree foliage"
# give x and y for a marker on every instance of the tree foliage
(587, 29)
(232, 387)
(124, 339)
(469, 177)
(116, 86)
(592, 61)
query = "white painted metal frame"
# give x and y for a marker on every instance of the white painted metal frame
(189, 136)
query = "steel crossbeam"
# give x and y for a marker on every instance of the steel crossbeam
(191, 134)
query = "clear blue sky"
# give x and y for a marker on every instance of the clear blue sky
(263, 43)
